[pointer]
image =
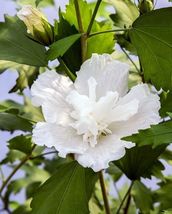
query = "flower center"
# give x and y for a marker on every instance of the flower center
(90, 115)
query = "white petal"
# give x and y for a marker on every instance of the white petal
(148, 111)
(110, 75)
(56, 110)
(124, 112)
(109, 148)
(47, 84)
(64, 139)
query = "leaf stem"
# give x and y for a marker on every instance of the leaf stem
(128, 56)
(126, 208)
(25, 159)
(104, 193)
(93, 17)
(43, 154)
(67, 71)
(108, 31)
(81, 30)
(125, 196)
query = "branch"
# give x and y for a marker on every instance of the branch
(104, 193)
(81, 30)
(93, 17)
(25, 159)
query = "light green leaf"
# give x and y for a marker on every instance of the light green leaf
(142, 197)
(19, 48)
(126, 12)
(154, 136)
(163, 194)
(21, 143)
(11, 122)
(67, 191)
(60, 47)
(27, 74)
(151, 35)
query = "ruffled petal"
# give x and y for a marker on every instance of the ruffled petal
(148, 111)
(110, 75)
(47, 84)
(64, 139)
(56, 110)
(109, 148)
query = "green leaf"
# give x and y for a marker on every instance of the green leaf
(126, 12)
(27, 75)
(67, 191)
(72, 58)
(142, 197)
(163, 194)
(138, 161)
(19, 48)
(166, 103)
(167, 211)
(151, 35)
(154, 136)
(11, 122)
(60, 47)
(21, 143)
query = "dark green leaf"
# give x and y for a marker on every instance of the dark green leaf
(142, 197)
(19, 48)
(166, 103)
(21, 143)
(11, 122)
(154, 136)
(60, 47)
(151, 34)
(67, 191)
(138, 161)
(72, 58)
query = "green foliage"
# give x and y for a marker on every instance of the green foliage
(21, 143)
(139, 161)
(151, 35)
(126, 12)
(60, 47)
(70, 183)
(163, 194)
(142, 197)
(156, 135)
(27, 75)
(106, 40)
(166, 103)
(19, 48)
(11, 122)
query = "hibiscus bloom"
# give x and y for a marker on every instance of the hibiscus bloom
(89, 117)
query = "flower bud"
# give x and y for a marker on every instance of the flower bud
(146, 6)
(37, 25)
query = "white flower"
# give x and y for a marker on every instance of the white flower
(89, 118)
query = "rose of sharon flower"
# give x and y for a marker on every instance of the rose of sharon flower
(89, 117)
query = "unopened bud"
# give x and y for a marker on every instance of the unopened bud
(37, 25)
(146, 6)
